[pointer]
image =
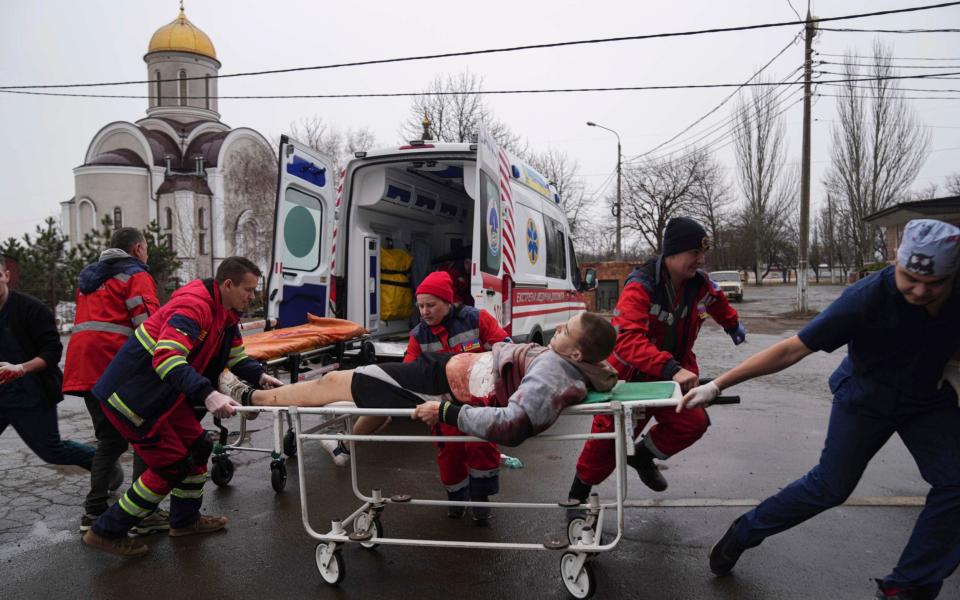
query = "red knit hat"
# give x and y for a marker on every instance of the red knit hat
(438, 284)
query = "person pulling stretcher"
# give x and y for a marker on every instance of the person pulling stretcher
(505, 396)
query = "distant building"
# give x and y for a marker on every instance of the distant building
(894, 218)
(210, 187)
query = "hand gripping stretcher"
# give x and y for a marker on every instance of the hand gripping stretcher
(321, 340)
(582, 541)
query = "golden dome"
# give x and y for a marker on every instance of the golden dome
(181, 35)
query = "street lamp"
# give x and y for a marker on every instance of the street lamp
(616, 207)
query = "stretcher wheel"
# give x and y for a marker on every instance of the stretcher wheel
(278, 475)
(222, 471)
(336, 570)
(364, 523)
(581, 584)
(368, 353)
(575, 529)
(290, 443)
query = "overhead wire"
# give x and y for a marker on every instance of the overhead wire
(957, 58)
(510, 48)
(852, 30)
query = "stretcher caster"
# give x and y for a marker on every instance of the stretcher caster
(278, 475)
(330, 564)
(368, 353)
(575, 530)
(222, 471)
(290, 443)
(577, 575)
(367, 523)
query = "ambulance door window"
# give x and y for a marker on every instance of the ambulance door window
(302, 216)
(490, 226)
(556, 244)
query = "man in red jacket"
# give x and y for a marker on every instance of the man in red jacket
(658, 317)
(115, 295)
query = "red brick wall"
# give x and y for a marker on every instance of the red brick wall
(611, 270)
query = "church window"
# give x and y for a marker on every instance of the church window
(206, 90)
(201, 218)
(168, 241)
(183, 88)
(156, 77)
(117, 218)
(203, 242)
(168, 213)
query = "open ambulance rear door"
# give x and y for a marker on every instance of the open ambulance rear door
(299, 280)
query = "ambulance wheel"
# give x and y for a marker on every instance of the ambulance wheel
(366, 522)
(580, 584)
(368, 353)
(222, 471)
(336, 569)
(278, 475)
(290, 443)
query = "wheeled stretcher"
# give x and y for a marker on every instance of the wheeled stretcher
(580, 544)
(289, 351)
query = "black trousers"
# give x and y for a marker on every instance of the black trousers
(110, 446)
(397, 385)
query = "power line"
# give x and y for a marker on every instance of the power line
(888, 97)
(851, 30)
(511, 48)
(926, 126)
(896, 57)
(625, 88)
(899, 89)
(889, 66)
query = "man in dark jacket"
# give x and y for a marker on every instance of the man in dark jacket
(115, 295)
(30, 351)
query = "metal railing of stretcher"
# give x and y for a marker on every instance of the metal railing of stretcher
(581, 543)
(284, 444)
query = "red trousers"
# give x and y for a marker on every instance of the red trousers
(460, 460)
(672, 433)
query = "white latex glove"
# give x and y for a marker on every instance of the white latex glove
(9, 372)
(269, 381)
(221, 405)
(699, 396)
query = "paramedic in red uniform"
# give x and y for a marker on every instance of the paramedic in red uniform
(658, 317)
(114, 296)
(147, 392)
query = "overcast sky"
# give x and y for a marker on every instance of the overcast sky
(65, 41)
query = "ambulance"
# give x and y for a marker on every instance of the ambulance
(428, 200)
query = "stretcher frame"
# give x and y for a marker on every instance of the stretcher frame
(581, 543)
(283, 443)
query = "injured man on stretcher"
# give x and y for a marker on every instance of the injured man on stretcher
(506, 395)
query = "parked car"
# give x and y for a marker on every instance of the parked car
(730, 284)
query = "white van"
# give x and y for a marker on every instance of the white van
(429, 199)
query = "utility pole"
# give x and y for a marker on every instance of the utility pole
(810, 31)
(619, 173)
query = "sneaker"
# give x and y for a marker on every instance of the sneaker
(649, 474)
(237, 389)
(158, 520)
(924, 592)
(124, 546)
(457, 512)
(205, 524)
(726, 552)
(116, 478)
(481, 514)
(338, 451)
(87, 521)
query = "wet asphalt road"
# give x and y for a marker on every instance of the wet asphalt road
(751, 451)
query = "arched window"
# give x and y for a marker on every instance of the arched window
(117, 218)
(183, 88)
(201, 218)
(206, 90)
(168, 213)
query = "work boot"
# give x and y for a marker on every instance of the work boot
(158, 520)
(461, 495)
(116, 478)
(124, 546)
(239, 390)
(87, 521)
(338, 451)
(726, 552)
(205, 524)
(923, 592)
(649, 474)
(481, 514)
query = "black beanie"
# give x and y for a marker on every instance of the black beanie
(682, 234)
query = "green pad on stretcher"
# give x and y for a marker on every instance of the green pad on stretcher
(630, 392)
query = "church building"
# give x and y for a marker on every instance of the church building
(210, 187)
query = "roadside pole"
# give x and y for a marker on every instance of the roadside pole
(802, 267)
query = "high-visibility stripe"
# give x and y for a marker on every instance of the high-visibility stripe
(132, 509)
(103, 326)
(170, 364)
(115, 401)
(137, 320)
(237, 350)
(462, 338)
(122, 277)
(174, 344)
(145, 340)
(200, 478)
(148, 495)
(134, 301)
(431, 347)
(181, 493)
(235, 361)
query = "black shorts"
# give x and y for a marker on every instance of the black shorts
(401, 385)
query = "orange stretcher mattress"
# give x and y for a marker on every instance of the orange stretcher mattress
(317, 333)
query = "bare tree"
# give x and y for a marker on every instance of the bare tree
(760, 149)
(656, 190)
(457, 112)
(563, 173)
(878, 147)
(338, 144)
(250, 203)
(953, 184)
(711, 200)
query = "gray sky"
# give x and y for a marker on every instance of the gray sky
(64, 41)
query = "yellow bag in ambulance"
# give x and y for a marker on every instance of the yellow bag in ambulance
(396, 297)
